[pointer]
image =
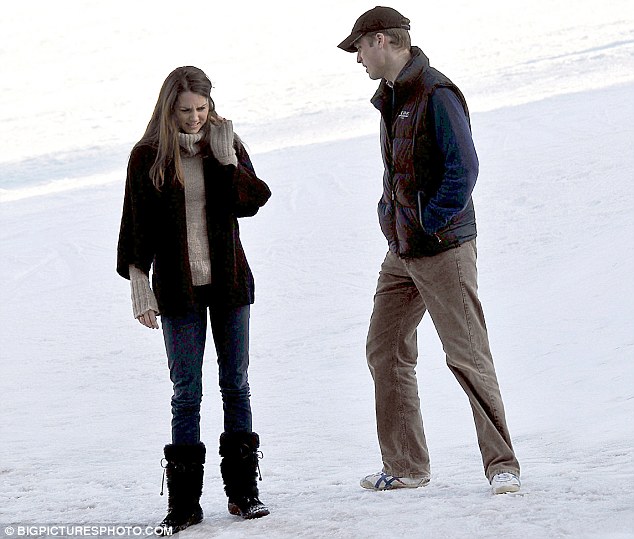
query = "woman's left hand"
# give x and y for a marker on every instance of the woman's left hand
(221, 140)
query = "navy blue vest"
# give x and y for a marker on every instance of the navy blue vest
(414, 165)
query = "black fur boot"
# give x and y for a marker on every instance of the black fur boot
(184, 472)
(239, 469)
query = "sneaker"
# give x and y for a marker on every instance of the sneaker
(383, 481)
(503, 483)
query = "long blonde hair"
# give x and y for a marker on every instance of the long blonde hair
(162, 130)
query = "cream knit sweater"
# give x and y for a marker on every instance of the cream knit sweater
(143, 298)
(195, 209)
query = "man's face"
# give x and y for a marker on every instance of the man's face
(371, 55)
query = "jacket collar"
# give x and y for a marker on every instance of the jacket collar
(407, 79)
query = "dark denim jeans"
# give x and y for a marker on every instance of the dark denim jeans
(185, 345)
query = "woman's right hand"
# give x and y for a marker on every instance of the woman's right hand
(148, 319)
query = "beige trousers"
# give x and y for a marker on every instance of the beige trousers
(446, 286)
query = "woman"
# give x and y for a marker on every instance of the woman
(188, 180)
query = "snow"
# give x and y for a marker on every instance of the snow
(85, 391)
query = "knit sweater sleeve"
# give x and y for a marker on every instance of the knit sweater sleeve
(143, 299)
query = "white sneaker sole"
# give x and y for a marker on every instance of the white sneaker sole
(505, 489)
(389, 482)
(505, 483)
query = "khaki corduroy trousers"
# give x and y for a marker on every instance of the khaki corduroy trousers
(445, 285)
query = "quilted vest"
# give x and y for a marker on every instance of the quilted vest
(413, 164)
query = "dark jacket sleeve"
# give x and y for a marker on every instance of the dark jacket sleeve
(453, 136)
(249, 193)
(136, 237)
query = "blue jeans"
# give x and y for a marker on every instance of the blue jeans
(185, 345)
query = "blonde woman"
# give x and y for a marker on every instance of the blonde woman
(189, 178)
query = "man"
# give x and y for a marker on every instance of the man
(426, 214)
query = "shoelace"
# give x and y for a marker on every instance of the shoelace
(163, 480)
(259, 455)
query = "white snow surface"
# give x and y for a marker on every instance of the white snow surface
(85, 392)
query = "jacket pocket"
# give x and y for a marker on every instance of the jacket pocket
(387, 221)
(421, 203)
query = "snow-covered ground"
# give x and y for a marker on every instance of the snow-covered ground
(84, 389)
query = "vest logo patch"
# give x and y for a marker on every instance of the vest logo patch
(403, 115)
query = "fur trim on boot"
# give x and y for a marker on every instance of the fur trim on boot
(239, 469)
(184, 468)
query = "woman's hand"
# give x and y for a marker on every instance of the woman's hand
(221, 140)
(148, 319)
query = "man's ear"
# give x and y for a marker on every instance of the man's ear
(381, 40)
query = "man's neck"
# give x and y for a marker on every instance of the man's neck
(396, 65)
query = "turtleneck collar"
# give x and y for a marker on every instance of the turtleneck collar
(190, 142)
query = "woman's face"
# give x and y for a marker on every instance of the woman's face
(191, 112)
